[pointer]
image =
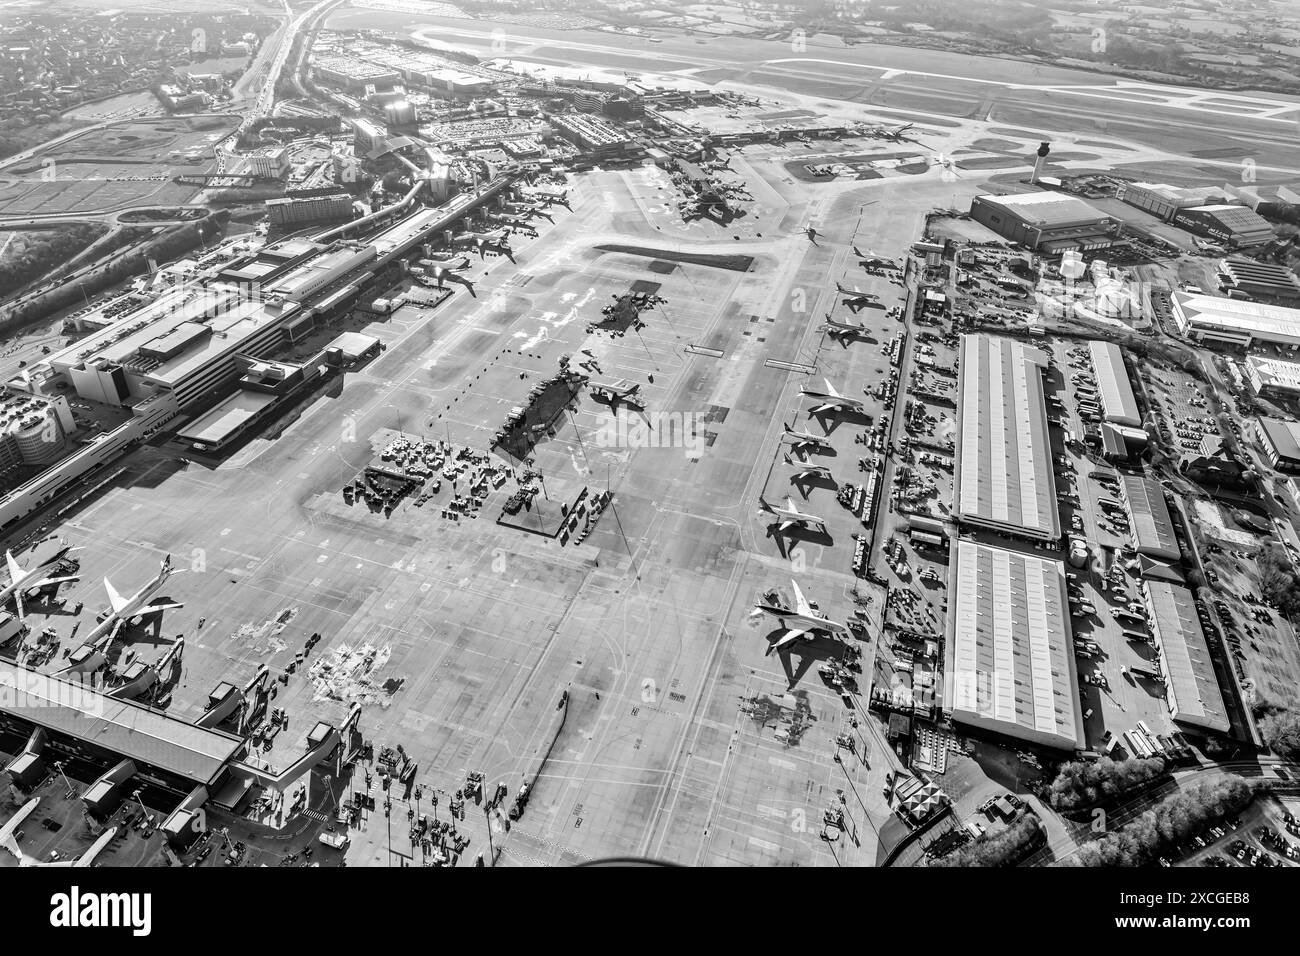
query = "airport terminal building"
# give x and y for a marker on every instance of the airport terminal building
(1009, 657)
(1004, 457)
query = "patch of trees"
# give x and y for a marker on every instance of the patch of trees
(35, 252)
(1005, 847)
(1281, 733)
(1278, 582)
(1081, 784)
(1171, 822)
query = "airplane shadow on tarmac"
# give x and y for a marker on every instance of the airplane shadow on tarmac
(785, 540)
(804, 485)
(831, 420)
(808, 649)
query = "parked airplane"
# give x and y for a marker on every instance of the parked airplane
(531, 209)
(790, 516)
(869, 260)
(131, 610)
(21, 581)
(855, 298)
(805, 472)
(7, 839)
(482, 241)
(897, 134)
(801, 440)
(83, 861)
(841, 331)
(831, 400)
(800, 620)
(444, 268)
(615, 393)
(548, 197)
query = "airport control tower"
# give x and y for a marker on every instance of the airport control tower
(1040, 161)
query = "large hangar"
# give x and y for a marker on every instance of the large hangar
(1010, 662)
(1005, 480)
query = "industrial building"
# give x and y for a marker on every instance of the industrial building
(1153, 527)
(1235, 322)
(1191, 687)
(1254, 279)
(1281, 443)
(1010, 665)
(1165, 201)
(1118, 403)
(1005, 479)
(1047, 222)
(1234, 226)
(1273, 378)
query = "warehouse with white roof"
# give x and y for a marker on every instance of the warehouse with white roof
(1005, 479)
(1118, 403)
(1010, 665)
(1191, 686)
(1235, 321)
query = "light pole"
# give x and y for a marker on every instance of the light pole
(59, 765)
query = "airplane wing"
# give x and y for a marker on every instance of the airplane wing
(115, 600)
(65, 580)
(789, 637)
(16, 573)
(800, 602)
(789, 504)
(96, 848)
(830, 389)
(155, 608)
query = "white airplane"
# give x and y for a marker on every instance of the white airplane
(831, 400)
(870, 260)
(7, 839)
(800, 620)
(548, 197)
(20, 580)
(843, 330)
(83, 861)
(131, 610)
(801, 440)
(481, 241)
(790, 516)
(531, 209)
(806, 472)
(855, 298)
